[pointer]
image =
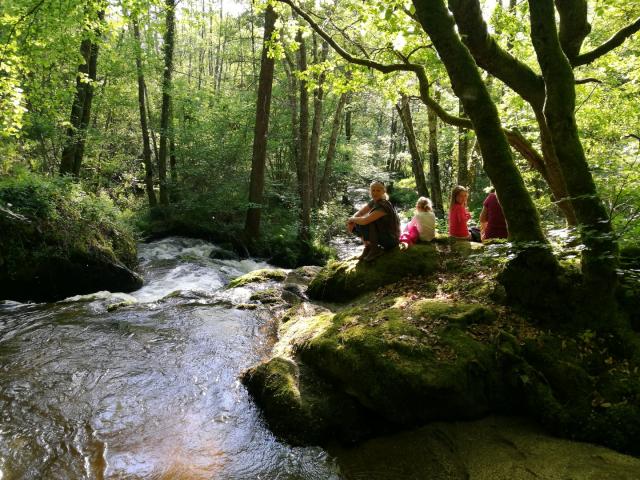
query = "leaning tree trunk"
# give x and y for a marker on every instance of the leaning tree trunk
(165, 117)
(599, 258)
(146, 146)
(261, 130)
(434, 161)
(331, 149)
(303, 148)
(73, 151)
(417, 164)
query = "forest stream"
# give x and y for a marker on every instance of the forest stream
(148, 389)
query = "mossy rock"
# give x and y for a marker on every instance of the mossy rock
(258, 276)
(342, 281)
(269, 295)
(300, 406)
(402, 365)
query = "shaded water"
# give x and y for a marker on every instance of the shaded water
(148, 389)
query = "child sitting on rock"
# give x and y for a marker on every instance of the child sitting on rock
(422, 226)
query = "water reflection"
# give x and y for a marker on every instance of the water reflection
(142, 386)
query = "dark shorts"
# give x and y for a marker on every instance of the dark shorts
(386, 241)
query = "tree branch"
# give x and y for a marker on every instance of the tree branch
(489, 56)
(615, 41)
(573, 26)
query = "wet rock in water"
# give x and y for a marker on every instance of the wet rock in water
(258, 276)
(340, 281)
(268, 295)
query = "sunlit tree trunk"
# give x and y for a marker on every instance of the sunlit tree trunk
(303, 148)
(331, 149)
(146, 147)
(463, 151)
(417, 164)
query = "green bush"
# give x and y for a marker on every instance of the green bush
(55, 217)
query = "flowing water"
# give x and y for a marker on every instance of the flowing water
(143, 386)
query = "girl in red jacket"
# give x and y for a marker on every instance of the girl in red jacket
(458, 214)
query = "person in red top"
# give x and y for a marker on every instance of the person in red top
(458, 214)
(492, 221)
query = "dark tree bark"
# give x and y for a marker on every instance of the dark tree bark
(165, 117)
(146, 146)
(331, 149)
(314, 145)
(261, 130)
(73, 151)
(393, 144)
(417, 164)
(304, 189)
(463, 151)
(434, 162)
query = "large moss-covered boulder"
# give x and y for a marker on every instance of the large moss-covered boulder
(401, 364)
(345, 280)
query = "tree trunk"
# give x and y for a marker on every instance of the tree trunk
(599, 258)
(261, 130)
(165, 117)
(463, 151)
(417, 164)
(73, 151)
(331, 149)
(314, 144)
(303, 148)
(146, 147)
(434, 161)
(393, 146)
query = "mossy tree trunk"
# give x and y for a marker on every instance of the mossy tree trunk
(599, 258)
(165, 116)
(73, 151)
(318, 102)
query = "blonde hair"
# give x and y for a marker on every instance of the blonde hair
(378, 182)
(455, 192)
(424, 203)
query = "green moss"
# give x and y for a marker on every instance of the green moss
(345, 280)
(269, 295)
(398, 366)
(258, 276)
